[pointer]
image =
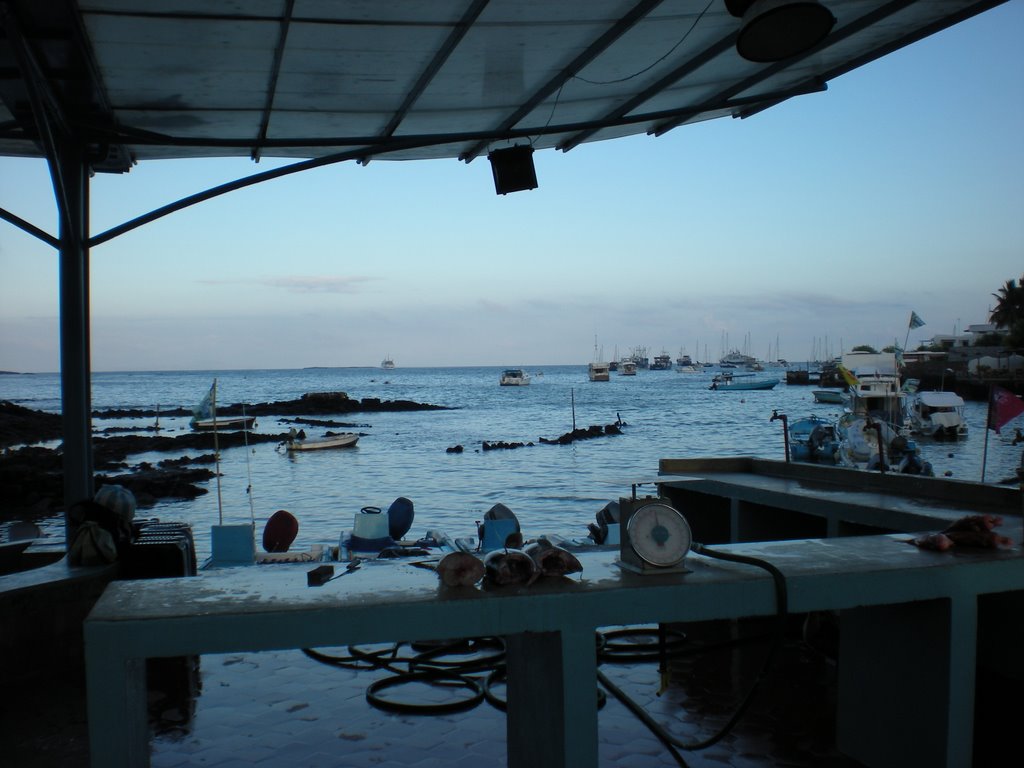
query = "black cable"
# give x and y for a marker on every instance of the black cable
(626, 653)
(434, 677)
(781, 611)
(426, 666)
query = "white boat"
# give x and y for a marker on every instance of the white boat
(205, 418)
(685, 364)
(598, 371)
(736, 359)
(514, 377)
(627, 367)
(833, 396)
(872, 433)
(937, 414)
(340, 440)
(387, 363)
(873, 386)
(223, 423)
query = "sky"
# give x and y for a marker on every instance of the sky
(812, 227)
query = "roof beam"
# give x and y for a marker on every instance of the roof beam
(836, 36)
(473, 11)
(275, 72)
(613, 33)
(691, 65)
(52, 127)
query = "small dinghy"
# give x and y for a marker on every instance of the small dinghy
(341, 440)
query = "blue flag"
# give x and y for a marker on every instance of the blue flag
(915, 320)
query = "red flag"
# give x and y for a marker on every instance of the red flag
(1003, 406)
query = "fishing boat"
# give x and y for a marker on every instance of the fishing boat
(730, 381)
(627, 367)
(685, 364)
(340, 440)
(514, 377)
(662, 362)
(872, 433)
(599, 369)
(205, 417)
(937, 414)
(387, 363)
(813, 439)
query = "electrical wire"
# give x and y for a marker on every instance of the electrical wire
(428, 665)
(781, 611)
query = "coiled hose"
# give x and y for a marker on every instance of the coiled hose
(428, 665)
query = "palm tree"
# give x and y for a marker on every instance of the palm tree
(1009, 304)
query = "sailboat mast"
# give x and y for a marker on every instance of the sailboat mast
(216, 451)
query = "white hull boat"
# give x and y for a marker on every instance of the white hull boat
(342, 440)
(514, 377)
(937, 414)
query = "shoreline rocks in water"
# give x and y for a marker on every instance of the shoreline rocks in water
(310, 404)
(32, 476)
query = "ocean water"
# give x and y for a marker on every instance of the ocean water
(551, 488)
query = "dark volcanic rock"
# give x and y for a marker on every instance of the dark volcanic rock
(584, 434)
(310, 404)
(32, 477)
(20, 425)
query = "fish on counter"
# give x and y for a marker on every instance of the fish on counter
(460, 569)
(970, 531)
(510, 566)
(551, 559)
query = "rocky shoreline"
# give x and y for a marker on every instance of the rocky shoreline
(32, 475)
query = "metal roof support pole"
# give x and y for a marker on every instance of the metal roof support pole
(75, 367)
(69, 172)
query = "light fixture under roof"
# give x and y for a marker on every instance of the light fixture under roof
(513, 169)
(774, 30)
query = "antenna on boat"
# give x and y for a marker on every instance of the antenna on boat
(572, 396)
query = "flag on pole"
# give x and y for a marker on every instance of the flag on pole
(848, 377)
(1003, 406)
(915, 320)
(204, 410)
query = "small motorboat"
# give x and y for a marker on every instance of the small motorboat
(813, 439)
(833, 396)
(222, 423)
(937, 414)
(340, 440)
(730, 381)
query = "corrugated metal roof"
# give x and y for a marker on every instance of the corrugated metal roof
(140, 79)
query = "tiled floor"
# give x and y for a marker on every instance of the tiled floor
(283, 708)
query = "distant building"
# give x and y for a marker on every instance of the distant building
(971, 336)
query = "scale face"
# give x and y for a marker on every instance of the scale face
(656, 537)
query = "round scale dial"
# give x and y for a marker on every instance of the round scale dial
(659, 535)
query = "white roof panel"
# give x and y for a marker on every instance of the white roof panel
(139, 79)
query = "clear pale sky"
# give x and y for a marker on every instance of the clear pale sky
(820, 223)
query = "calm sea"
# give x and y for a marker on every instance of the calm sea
(551, 488)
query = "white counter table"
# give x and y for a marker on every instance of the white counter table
(909, 623)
